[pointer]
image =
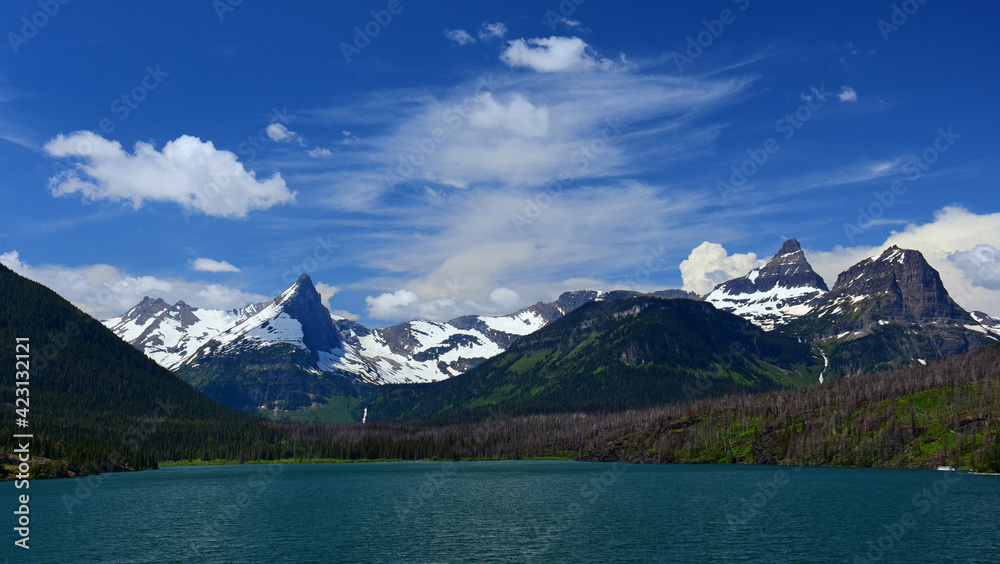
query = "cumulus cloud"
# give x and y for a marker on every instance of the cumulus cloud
(459, 36)
(104, 291)
(397, 305)
(505, 299)
(492, 30)
(188, 171)
(209, 265)
(957, 243)
(847, 94)
(709, 265)
(556, 54)
(326, 292)
(278, 132)
(405, 305)
(519, 116)
(318, 152)
(981, 265)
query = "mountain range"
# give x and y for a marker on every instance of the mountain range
(291, 357)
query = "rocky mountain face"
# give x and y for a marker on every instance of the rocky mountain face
(898, 286)
(310, 355)
(772, 295)
(292, 355)
(612, 355)
(890, 308)
(169, 334)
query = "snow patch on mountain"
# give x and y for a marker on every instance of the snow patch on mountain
(521, 323)
(783, 289)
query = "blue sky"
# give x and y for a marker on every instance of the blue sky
(431, 159)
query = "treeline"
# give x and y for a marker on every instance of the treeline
(610, 356)
(99, 405)
(918, 416)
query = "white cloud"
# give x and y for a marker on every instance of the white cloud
(326, 292)
(519, 116)
(847, 94)
(104, 291)
(209, 265)
(349, 138)
(278, 132)
(187, 171)
(556, 54)
(541, 127)
(492, 30)
(459, 36)
(709, 265)
(981, 265)
(478, 248)
(949, 243)
(505, 299)
(404, 305)
(397, 305)
(318, 152)
(346, 314)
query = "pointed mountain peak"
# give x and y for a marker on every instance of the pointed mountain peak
(774, 293)
(790, 246)
(304, 280)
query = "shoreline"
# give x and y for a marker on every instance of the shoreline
(182, 463)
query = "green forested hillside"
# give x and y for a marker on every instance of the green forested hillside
(946, 413)
(610, 356)
(96, 403)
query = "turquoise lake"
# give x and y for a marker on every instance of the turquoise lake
(510, 512)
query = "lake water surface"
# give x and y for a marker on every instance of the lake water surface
(510, 512)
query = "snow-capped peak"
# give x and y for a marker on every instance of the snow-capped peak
(775, 293)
